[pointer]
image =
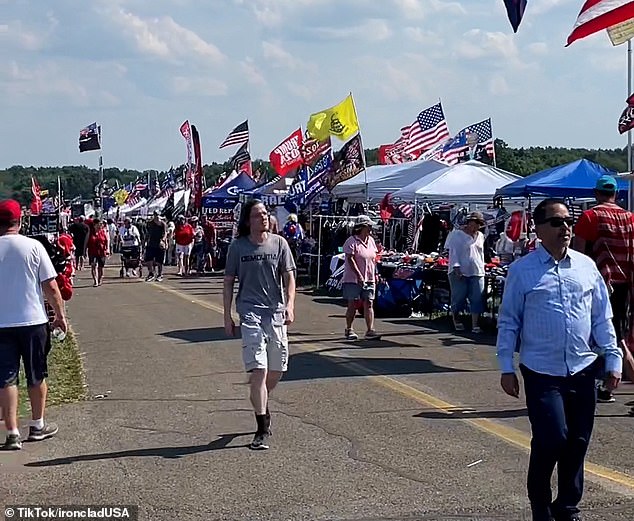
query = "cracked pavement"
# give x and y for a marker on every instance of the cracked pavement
(411, 427)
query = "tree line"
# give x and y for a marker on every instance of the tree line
(80, 181)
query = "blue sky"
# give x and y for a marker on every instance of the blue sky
(141, 68)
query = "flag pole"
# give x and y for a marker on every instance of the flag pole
(60, 203)
(629, 132)
(100, 172)
(495, 162)
(365, 170)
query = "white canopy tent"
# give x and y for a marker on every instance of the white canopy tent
(468, 182)
(385, 179)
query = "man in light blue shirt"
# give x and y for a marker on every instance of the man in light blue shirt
(556, 310)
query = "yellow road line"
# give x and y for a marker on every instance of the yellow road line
(511, 435)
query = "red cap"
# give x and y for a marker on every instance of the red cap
(10, 210)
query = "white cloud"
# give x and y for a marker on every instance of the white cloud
(250, 70)
(17, 35)
(540, 7)
(200, 86)
(371, 30)
(427, 38)
(164, 38)
(302, 90)
(278, 56)
(498, 86)
(477, 44)
(538, 48)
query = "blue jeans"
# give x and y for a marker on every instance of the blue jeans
(466, 288)
(561, 411)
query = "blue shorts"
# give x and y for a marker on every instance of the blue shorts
(466, 288)
(353, 291)
(31, 344)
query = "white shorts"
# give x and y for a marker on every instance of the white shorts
(264, 342)
(183, 250)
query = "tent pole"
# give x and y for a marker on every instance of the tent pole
(319, 253)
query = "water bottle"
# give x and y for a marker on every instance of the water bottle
(59, 334)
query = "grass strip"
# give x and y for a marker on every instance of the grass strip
(65, 376)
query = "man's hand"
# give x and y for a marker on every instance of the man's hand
(612, 381)
(457, 271)
(230, 327)
(290, 316)
(60, 322)
(510, 384)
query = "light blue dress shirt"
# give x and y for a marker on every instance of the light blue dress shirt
(558, 314)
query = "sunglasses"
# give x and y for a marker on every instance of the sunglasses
(558, 222)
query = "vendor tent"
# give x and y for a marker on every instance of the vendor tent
(227, 195)
(466, 182)
(385, 179)
(576, 179)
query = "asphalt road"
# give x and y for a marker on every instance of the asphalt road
(409, 427)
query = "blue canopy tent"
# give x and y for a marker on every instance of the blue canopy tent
(576, 179)
(226, 197)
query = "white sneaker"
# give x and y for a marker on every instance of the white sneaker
(351, 335)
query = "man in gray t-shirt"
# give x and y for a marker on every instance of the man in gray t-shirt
(265, 268)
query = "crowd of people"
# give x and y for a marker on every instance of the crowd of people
(565, 310)
(189, 243)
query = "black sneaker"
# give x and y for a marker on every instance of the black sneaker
(149, 278)
(605, 396)
(260, 441)
(12, 442)
(48, 431)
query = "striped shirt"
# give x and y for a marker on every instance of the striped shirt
(610, 230)
(559, 315)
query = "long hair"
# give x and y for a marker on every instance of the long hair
(244, 228)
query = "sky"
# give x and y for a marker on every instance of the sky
(141, 68)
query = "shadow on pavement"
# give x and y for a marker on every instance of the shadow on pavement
(205, 334)
(313, 366)
(222, 442)
(467, 414)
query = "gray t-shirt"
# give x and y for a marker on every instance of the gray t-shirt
(259, 268)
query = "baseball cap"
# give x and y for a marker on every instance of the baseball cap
(364, 220)
(10, 210)
(606, 183)
(475, 216)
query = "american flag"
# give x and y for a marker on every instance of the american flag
(242, 156)
(429, 129)
(407, 210)
(237, 136)
(458, 147)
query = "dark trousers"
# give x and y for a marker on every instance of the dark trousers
(620, 301)
(561, 412)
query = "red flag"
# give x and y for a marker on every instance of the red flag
(386, 208)
(198, 177)
(36, 203)
(393, 154)
(287, 156)
(596, 15)
(186, 132)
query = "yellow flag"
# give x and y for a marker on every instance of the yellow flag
(120, 196)
(340, 120)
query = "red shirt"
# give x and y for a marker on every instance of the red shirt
(184, 235)
(98, 243)
(210, 233)
(610, 231)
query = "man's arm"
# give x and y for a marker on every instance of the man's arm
(603, 332)
(510, 322)
(54, 298)
(227, 301)
(288, 278)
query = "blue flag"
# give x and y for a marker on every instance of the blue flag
(515, 10)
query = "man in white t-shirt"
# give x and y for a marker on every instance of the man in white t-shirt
(466, 270)
(27, 276)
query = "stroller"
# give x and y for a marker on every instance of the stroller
(130, 260)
